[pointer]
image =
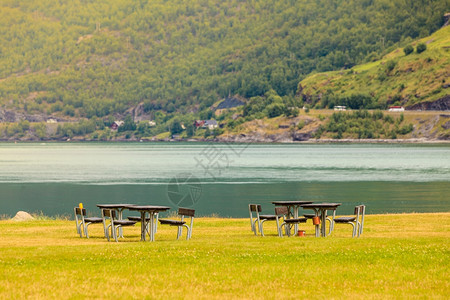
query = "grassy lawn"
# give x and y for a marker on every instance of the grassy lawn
(398, 256)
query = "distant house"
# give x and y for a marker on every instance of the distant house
(115, 125)
(211, 124)
(396, 108)
(199, 123)
(340, 107)
(52, 121)
(151, 123)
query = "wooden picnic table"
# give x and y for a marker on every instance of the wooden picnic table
(148, 224)
(320, 210)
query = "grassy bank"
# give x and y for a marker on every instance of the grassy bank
(398, 256)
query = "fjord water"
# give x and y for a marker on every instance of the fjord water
(222, 179)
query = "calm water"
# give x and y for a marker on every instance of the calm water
(223, 179)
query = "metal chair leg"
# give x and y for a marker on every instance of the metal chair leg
(354, 229)
(86, 230)
(280, 234)
(254, 227)
(107, 232)
(261, 227)
(116, 232)
(187, 230)
(79, 230)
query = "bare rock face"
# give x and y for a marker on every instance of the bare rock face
(7, 116)
(304, 136)
(22, 216)
(440, 104)
(446, 19)
(12, 116)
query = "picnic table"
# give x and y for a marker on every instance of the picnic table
(293, 207)
(148, 224)
(320, 210)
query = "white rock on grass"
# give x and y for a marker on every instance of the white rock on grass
(22, 216)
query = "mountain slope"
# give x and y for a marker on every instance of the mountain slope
(80, 59)
(416, 81)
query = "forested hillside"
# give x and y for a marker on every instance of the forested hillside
(416, 76)
(80, 59)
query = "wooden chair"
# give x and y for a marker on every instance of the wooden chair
(282, 211)
(182, 212)
(110, 214)
(357, 221)
(82, 222)
(260, 219)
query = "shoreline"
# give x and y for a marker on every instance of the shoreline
(36, 216)
(248, 140)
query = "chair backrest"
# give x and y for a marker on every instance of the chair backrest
(362, 212)
(251, 209)
(362, 209)
(80, 211)
(281, 210)
(186, 212)
(79, 221)
(254, 207)
(109, 213)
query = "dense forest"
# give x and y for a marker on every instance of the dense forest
(85, 59)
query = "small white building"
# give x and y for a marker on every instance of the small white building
(211, 124)
(396, 108)
(340, 107)
(52, 121)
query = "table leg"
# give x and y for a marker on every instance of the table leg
(152, 226)
(288, 227)
(143, 226)
(120, 215)
(295, 207)
(323, 225)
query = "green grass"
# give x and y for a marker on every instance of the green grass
(398, 256)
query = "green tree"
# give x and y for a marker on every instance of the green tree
(128, 124)
(390, 65)
(275, 110)
(421, 47)
(207, 133)
(40, 130)
(408, 50)
(190, 130)
(175, 127)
